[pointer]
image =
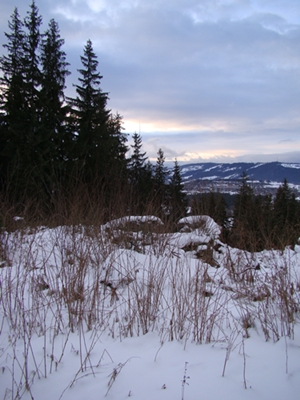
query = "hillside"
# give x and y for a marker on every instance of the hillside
(128, 310)
(225, 178)
(274, 171)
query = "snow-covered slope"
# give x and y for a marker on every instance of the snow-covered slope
(273, 171)
(91, 312)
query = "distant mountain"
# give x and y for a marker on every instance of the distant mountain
(264, 172)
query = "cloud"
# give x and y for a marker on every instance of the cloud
(209, 78)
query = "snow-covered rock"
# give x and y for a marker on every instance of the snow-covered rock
(129, 221)
(202, 222)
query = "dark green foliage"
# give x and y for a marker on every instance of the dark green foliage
(98, 153)
(99, 146)
(54, 154)
(13, 107)
(25, 163)
(286, 217)
(48, 148)
(54, 111)
(33, 80)
(89, 118)
(140, 177)
(33, 75)
(113, 174)
(178, 201)
(160, 183)
(244, 202)
(261, 222)
(117, 150)
(212, 204)
(137, 161)
(246, 228)
(161, 172)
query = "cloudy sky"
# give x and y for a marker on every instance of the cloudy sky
(201, 79)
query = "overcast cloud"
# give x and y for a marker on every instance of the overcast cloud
(200, 79)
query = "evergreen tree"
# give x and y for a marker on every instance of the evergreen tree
(244, 210)
(137, 161)
(12, 63)
(12, 105)
(140, 178)
(31, 164)
(160, 181)
(211, 204)
(117, 138)
(161, 172)
(259, 222)
(53, 110)
(214, 205)
(116, 149)
(244, 201)
(32, 104)
(286, 219)
(199, 205)
(219, 212)
(178, 202)
(89, 117)
(33, 74)
(21, 104)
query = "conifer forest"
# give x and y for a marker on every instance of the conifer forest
(116, 281)
(65, 159)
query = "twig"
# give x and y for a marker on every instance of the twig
(184, 380)
(114, 375)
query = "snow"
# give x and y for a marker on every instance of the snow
(144, 219)
(187, 177)
(296, 165)
(191, 168)
(257, 165)
(230, 169)
(233, 176)
(209, 229)
(211, 178)
(214, 167)
(165, 323)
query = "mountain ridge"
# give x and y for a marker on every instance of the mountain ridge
(263, 172)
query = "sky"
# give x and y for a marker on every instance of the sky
(206, 80)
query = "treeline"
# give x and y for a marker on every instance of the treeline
(66, 158)
(57, 151)
(258, 222)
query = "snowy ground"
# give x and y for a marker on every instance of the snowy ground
(110, 313)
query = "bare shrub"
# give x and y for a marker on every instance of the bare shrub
(79, 279)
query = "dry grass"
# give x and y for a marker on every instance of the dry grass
(84, 279)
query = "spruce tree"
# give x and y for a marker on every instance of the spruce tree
(118, 138)
(241, 232)
(219, 213)
(161, 171)
(12, 104)
(160, 182)
(178, 202)
(33, 161)
(244, 199)
(33, 74)
(89, 118)
(21, 106)
(261, 221)
(137, 160)
(140, 177)
(53, 110)
(116, 148)
(286, 219)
